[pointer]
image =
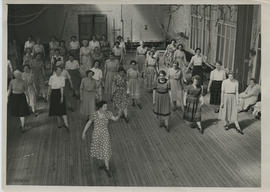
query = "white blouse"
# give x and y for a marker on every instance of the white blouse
(197, 60)
(57, 82)
(93, 44)
(71, 65)
(29, 44)
(98, 74)
(74, 45)
(229, 86)
(217, 75)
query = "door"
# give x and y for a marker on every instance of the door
(92, 25)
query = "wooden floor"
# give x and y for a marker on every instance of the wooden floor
(143, 153)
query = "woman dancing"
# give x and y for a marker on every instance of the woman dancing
(101, 144)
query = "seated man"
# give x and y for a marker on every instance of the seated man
(249, 96)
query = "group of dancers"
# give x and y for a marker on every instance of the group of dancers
(96, 74)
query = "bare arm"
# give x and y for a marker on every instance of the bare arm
(190, 63)
(88, 124)
(154, 96)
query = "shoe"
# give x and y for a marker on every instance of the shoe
(226, 127)
(36, 114)
(67, 128)
(201, 131)
(102, 166)
(108, 172)
(167, 128)
(139, 105)
(217, 111)
(240, 131)
(22, 129)
(59, 127)
(126, 119)
(133, 104)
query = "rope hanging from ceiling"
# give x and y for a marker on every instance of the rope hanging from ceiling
(33, 15)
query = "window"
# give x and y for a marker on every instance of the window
(226, 44)
(200, 27)
(226, 34)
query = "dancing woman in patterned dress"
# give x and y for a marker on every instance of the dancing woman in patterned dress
(119, 92)
(101, 145)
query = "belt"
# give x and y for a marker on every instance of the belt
(164, 92)
(230, 93)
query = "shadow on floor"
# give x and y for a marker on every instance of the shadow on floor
(246, 123)
(209, 122)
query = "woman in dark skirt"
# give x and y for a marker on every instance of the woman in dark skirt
(214, 86)
(73, 68)
(196, 62)
(57, 99)
(193, 101)
(162, 100)
(18, 103)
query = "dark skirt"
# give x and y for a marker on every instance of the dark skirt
(56, 107)
(192, 111)
(215, 93)
(75, 53)
(198, 70)
(18, 105)
(76, 78)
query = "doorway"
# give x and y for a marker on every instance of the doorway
(92, 25)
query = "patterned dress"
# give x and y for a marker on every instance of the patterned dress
(162, 107)
(150, 73)
(180, 57)
(192, 112)
(119, 87)
(133, 83)
(101, 145)
(105, 49)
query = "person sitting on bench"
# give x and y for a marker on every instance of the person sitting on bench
(249, 96)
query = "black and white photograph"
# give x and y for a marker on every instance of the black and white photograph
(133, 95)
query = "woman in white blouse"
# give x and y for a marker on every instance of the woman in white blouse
(74, 47)
(229, 102)
(214, 86)
(57, 100)
(196, 62)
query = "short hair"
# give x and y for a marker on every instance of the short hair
(173, 40)
(97, 61)
(133, 61)
(219, 62)
(58, 50)
(162, 72)
(119, 37)
(89, 71)
(252, 79)
(100, 104)
(121, 69)
(180, 45)
(198, 49)
(198, 78)
(58, 67)
(28, 66)
(71, 55)
(73, 36)
(117, 42)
